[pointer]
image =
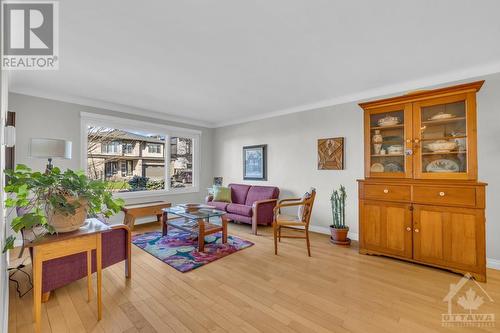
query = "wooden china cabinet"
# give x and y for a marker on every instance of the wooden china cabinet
(420, 200)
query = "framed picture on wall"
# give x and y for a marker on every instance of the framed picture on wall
(255, 162)
(331, 154)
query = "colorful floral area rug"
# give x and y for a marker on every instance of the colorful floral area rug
(180, 249)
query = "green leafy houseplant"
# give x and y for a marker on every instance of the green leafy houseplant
(43, 195)
(338, 229)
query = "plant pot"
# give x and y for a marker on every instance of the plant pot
(67, 223)
(339, 236)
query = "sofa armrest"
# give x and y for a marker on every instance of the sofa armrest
(262, 210)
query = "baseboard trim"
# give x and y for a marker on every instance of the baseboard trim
(490, 263)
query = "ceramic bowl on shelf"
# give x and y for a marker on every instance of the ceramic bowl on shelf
(388, 121)
(442, 165)
(395, 149)
(442, 146)
(442, 116)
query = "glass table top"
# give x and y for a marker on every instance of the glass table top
(205, 212)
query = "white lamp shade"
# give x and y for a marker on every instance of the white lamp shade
(50, 148)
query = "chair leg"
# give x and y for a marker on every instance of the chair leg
(308, 243)
(279, 234)
(275, 238)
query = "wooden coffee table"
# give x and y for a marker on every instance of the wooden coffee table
(195, 222)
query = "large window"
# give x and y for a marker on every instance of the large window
(137, 157)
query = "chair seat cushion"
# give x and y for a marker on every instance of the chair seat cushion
(218, 205)
(286, 220)
(239, 209)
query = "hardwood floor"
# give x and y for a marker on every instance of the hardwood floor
(336, 290)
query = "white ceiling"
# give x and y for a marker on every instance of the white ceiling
(225, 61)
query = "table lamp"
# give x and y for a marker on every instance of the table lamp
(49, 149)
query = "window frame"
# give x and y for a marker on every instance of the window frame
(92, 119)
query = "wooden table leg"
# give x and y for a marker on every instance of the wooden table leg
(164, 225)
(201, 235)
(89, 275)
(37, 290)
(99, 276)
(224, 229)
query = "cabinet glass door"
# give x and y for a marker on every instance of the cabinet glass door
(388, 142)
(442, 138)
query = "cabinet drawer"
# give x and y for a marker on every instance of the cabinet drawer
(387, 192)
(445, 195)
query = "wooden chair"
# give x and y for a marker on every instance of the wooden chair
(294, 222)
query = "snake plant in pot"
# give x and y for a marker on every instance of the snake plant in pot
(338, 229)
(55, 201)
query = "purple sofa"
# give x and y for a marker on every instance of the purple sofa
(250, 204)
(59, 272)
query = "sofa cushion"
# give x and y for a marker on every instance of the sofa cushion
(218, 204)
(239, 193)
(257, 193)
(221, 193)
(239, 209)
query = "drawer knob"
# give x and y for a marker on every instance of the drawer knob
(386, 190)
(441, 194)
(408, 229)
(416, 230)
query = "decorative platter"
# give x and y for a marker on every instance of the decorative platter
(441, 116)
(388, 121)
(377, 167)
(442, 165)
(393, 167)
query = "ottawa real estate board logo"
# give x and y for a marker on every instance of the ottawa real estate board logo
(30, 38)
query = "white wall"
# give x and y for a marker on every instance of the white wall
(44, 118)
(292, 156)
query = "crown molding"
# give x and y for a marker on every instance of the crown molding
(111, 106)
(388, 90)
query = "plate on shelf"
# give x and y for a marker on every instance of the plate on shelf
(388, 121)
(442, 165)
(395, 150)
(393, 167)
(394, 138)
(377, 167)
(441, 116)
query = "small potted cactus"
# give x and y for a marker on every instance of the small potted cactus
(338, 229)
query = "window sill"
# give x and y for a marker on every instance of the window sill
(158, 193)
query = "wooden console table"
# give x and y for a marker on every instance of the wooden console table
(48, 247)
(134, 211)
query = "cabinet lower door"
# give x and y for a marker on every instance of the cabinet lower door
(449, 236)
(386, 227)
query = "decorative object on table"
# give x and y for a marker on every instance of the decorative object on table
(338, 229)
(144, 209)
(377, 142)
(442, 146)
(255, 162)
(193, 207)
(218, 181)
(178, 248)
(388, 121)
(50, 149)
(442, 116)
(393, 167)
(377, 167)
(395, 150)
(222, 194)
(57, 201)
(442, 165)
(331, 154)
(298, 223)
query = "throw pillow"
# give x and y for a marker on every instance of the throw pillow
(301, 214)
(222, 194)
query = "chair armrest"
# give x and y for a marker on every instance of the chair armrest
(287, 200)
(256, 204)
(209, 198)
(277, 209)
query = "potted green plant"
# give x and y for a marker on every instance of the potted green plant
(338, 229)
(56, 201)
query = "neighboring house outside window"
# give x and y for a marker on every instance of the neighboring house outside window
(110, 147)
(128, 148)
(154, 148)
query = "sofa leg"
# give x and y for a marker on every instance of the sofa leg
(45, 297)
(254, 226)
